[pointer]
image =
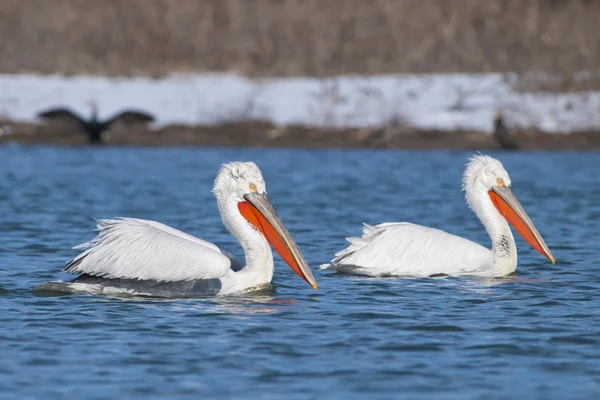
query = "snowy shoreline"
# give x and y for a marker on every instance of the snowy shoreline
(433, 101)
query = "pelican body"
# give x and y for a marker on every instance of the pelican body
(406, 249)
(147, 257)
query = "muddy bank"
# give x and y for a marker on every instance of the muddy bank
(262, 134)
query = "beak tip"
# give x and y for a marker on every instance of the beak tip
(553, 260)
(314, 286)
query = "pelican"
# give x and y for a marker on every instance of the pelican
(94, 127)
(147, 257)
(405, 249)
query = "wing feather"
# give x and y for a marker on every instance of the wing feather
(62, 115)
(405, 249)
(131, 117)
(132, 248)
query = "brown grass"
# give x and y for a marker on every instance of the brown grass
(299, 37)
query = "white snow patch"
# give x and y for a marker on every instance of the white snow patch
(427, 101)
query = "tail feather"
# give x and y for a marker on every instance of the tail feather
(102, 227)
(357, 243)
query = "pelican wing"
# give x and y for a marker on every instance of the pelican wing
(131, 117)
(405, 249)
(63, 115)
(132, 248)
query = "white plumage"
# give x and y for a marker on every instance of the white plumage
(405, 252)
(128, 249)
(405, 249)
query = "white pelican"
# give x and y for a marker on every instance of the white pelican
(405, 249)
(147, 257)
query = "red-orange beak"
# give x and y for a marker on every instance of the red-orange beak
(257, 209)
(509, 207)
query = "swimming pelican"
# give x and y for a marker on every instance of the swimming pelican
(405, 249)
(148, 257)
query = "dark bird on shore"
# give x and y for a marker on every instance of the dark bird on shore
(94, 127)
(502, 134)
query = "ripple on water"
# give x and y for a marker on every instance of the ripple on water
(531, 335)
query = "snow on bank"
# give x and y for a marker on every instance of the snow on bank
(439, 101)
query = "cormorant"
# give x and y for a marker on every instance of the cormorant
(95, 127)
(502, 134)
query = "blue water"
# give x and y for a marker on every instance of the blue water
(537, 336)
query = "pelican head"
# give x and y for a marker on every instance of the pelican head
(484, 173)
(486, 180)
(242, 198)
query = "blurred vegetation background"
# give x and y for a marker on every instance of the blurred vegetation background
(301, 37)
(551, 45)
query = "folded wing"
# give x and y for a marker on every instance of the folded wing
(405, 249)
(148, 250)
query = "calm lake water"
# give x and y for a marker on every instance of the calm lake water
(537, 336)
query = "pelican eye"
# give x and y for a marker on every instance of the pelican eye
(500, 182)
(252, 187)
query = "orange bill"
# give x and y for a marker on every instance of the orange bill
(510, 208)
(276, 234)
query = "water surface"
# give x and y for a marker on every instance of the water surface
(534, 336)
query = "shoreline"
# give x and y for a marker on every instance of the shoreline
(265, 134)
